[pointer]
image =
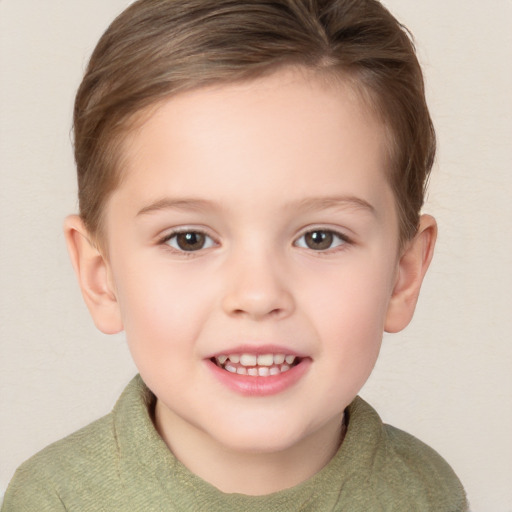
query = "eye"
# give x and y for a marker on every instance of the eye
(189, 241)
(321, 240)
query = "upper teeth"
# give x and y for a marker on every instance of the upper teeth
(256, 360)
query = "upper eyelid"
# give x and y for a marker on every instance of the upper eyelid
(172, 232)
(336, 231)
(164, 241)
(344, 242)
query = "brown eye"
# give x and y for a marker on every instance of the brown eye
(321, 240)
(189, 241)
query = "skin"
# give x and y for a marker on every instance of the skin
(254, 167)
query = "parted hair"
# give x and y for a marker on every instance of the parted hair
(158, 48)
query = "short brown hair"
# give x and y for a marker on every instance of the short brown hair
(157, 48)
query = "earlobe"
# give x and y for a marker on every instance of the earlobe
(412, 267)
(94, 277)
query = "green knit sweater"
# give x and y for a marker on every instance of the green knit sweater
(119, 463)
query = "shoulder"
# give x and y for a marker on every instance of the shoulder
(405, 470)
(40, 482)
(420, 463)
(93, 467)
(108, 465)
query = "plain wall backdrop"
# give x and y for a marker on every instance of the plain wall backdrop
(447, 379)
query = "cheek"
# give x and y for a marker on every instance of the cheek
(349, 309)
(161, 307)
(357, 290)
(351, 329)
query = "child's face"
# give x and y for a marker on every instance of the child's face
(292, 250)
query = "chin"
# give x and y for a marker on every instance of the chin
(258, 438)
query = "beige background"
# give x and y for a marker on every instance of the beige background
(447, 379)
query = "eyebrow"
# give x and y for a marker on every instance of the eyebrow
(344, 202)
(167, 203)
(307, 204)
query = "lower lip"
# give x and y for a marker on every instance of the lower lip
(260, 386)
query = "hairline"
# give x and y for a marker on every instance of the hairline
(331, 75)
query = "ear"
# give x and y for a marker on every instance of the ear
(94, 276)
(412, 266)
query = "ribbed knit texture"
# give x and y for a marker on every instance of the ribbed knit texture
(120, 463)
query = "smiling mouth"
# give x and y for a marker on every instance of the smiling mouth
(263, 365)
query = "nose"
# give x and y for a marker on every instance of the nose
(257, 287)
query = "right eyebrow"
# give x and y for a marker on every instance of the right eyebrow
(168, 203)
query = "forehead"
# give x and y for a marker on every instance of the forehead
(290, 130)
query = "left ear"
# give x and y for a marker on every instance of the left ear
(412, 266)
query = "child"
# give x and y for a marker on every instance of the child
(250, 180)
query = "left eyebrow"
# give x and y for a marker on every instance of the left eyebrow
(343, 202)
(168, 203)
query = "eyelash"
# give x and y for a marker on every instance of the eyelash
(197, 232)
(338, 238)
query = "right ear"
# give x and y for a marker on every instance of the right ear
(94, 276)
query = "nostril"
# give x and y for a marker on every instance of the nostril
(257, 302)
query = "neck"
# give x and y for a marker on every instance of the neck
(248, 472)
